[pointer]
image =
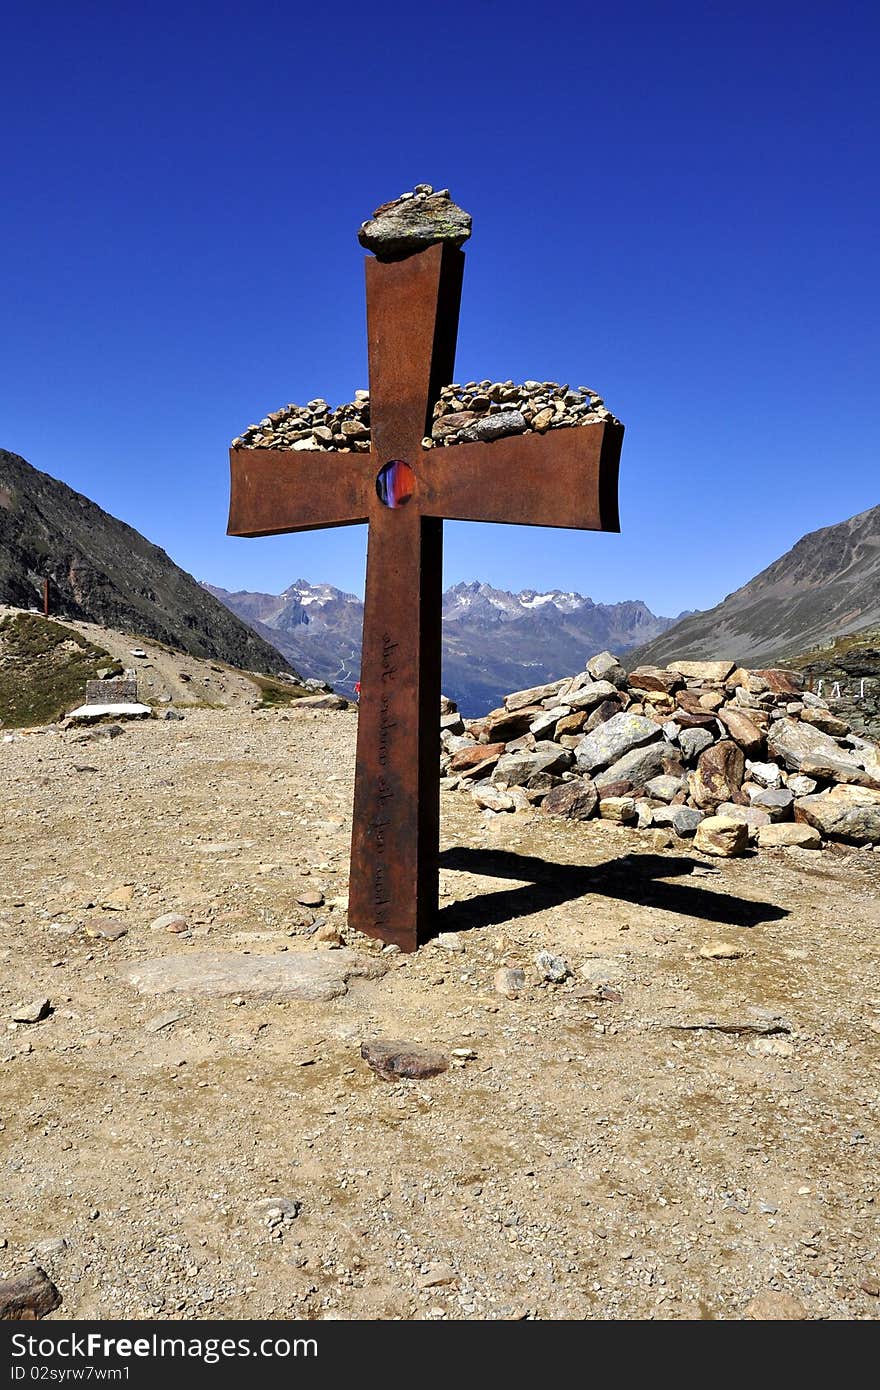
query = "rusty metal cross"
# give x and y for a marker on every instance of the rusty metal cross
(567, 477)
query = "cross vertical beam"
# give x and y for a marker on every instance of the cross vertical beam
(412, 321)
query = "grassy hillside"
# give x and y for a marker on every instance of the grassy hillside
(43, 669)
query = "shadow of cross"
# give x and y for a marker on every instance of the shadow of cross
(567, 477)
(640, 879)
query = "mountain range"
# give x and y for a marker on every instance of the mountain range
(828, 584)
(101, 570)
(494, 641)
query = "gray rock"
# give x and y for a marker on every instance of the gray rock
(685, 820)
(509, 980)
(491, 798)
(664, 787)
(517, 769)
(639, 766)
(844, 813)
(589, 695)
(33, 1012)
(752, 816)
(293, 975)
(693, 742)
(776, 801)
(618, 735)
(495, 426)
(801, 785)
(553, 969)
(791, 743)
(606, 667)
(413, 222)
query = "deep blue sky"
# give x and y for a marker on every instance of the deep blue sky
(676, 205)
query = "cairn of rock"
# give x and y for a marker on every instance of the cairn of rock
(701, 750)
(479, 410)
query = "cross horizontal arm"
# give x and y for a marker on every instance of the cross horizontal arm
(280, 490)
(567, 477)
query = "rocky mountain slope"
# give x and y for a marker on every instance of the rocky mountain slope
(826, 585)
(493, 640)
(103, 571)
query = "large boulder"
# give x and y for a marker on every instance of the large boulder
(575, 800)
(702, 670)
(605, 667)
(790, 742)
(722, 837)
(743, 731)
(640, 765)
(618, 735)
(535, 694)
(518, 769)
(591, 694)
(719, 775)
(654, 678)
(693, 742)
(843, 813)
(476, 753)
(789, 836)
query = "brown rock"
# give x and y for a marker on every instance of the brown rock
(572, 723)
(119, 899)
(686, 719)
(105, 929)
(469, 757)
(654, 678)
(719, 775)
(502, 725)
(576, 799)
(711, 700)
(702, 670)
(452, 423)
(783, 836)
(826, 721)
(723, 838)
(743, 731)
(782, 682)
(393, 1058)
(602, 713)
(619, 809)
(310, 897)
(28, 1296)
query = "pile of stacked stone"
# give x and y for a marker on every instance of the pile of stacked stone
(314, 426)
(701, 750)
(482, 410)
(479, 410)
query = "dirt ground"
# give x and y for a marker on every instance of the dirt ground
(597, 1157)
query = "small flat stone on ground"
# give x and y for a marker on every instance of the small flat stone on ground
(312, 976)
(393, 1058)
